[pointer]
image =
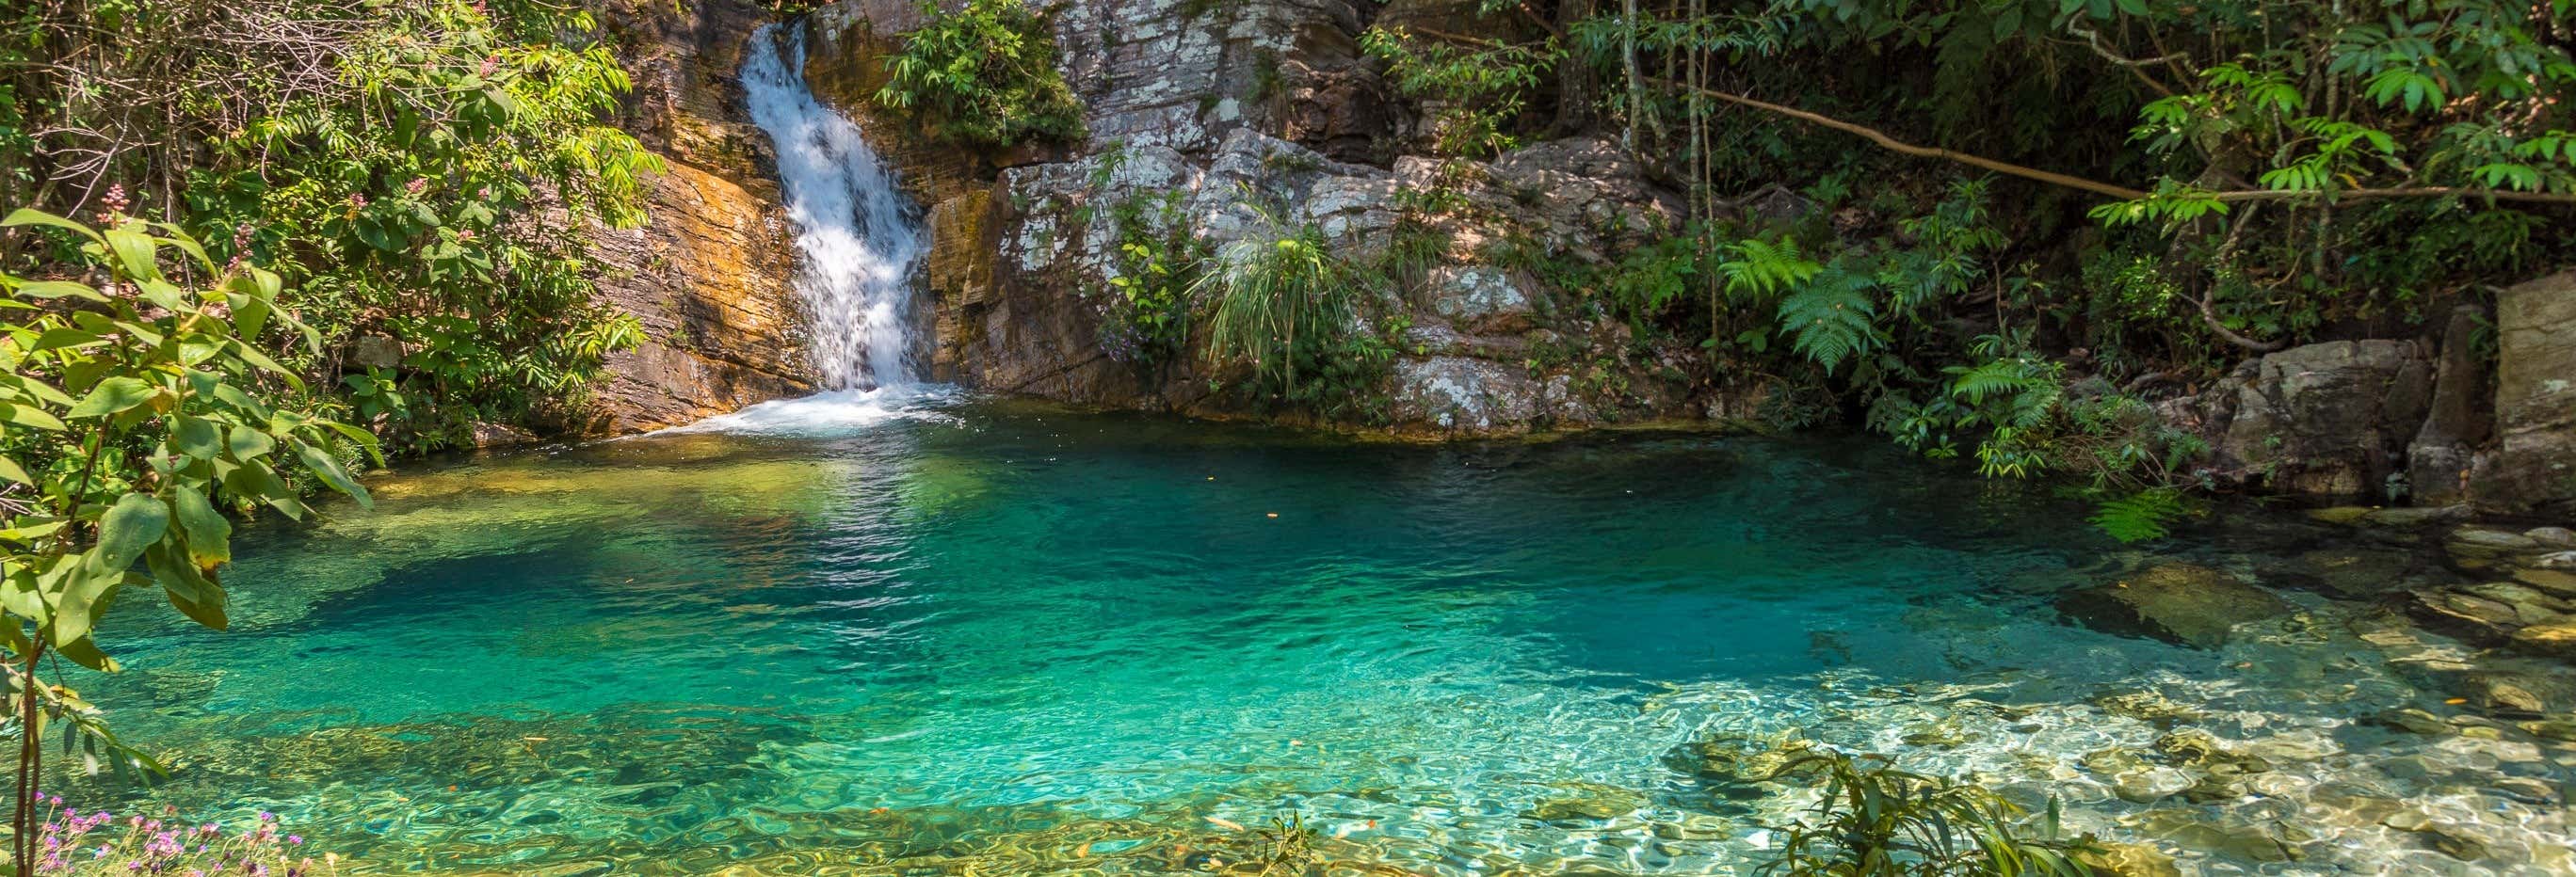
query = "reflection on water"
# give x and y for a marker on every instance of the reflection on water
(886, 635)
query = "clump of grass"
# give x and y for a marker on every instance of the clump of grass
(1877, 821)
(1293, 314)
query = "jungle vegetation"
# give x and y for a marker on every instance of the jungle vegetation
(417, 172)
(2024, 216)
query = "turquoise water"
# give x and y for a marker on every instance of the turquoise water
(979, 638)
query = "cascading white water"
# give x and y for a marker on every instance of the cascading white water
(859, 235)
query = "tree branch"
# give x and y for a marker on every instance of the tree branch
(1890, 143)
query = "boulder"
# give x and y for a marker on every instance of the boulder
(2331, 419)
(2533, 467)
(376, 351)
(2176, 602)
(1456, 394)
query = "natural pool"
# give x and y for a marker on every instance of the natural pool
(949, 637)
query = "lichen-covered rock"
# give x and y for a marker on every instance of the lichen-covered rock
(2176, 602)
(2533, 467)
(1479, 299)
(1461, 395)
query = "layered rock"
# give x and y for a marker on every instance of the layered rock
(2533, 467)
(708, 275)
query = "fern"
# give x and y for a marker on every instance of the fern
(1830, 315)
(2141, 516)
(1756, 269)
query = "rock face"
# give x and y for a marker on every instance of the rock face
(2533, 467)
(1238, 120)
(2459, 418)
(2330, 419)
(708, 275)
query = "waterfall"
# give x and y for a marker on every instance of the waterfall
(857, 233)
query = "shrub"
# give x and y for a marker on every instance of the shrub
(1294, 315)
(983, 75)
(425, 170)
(131, 415)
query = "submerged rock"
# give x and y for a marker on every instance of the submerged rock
(1589, 801)
(2412, 721)
(2556, 639)
(2147, 706)
(2176, 602)
(2151, 785)
(2128, 860)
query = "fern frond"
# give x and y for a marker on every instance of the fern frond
(1830, 315)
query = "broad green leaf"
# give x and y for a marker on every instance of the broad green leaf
(137, 256)
(60, 337)
(133, 524)
(10, 470)
(113, 395)
(30, 216)
(196, 437)
(249, 443)
(208, 533)
(83, 594)
(194, 594)
(29, 416)
(85, 653)
(60, 289)
(327, 468)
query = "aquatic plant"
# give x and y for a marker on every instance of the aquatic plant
(100, 843)
(1877, 821)
(131, 415)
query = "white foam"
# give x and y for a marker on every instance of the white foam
(833, 413)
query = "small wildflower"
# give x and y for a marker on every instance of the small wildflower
(417, 185)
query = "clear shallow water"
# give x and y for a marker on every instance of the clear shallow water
(900, 634)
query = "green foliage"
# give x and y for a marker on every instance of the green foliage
(1293, 315)
(1877, 821)
(983, 75)
(132, 415)
(1145, 304)
(1479, 89)
(424, 170)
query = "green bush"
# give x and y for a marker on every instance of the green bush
(132, 415)
(1294, 317)
(424, 170)
(983, 75)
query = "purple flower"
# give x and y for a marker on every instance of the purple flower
(295, 838)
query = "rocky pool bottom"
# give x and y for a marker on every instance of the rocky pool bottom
(940, 637)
